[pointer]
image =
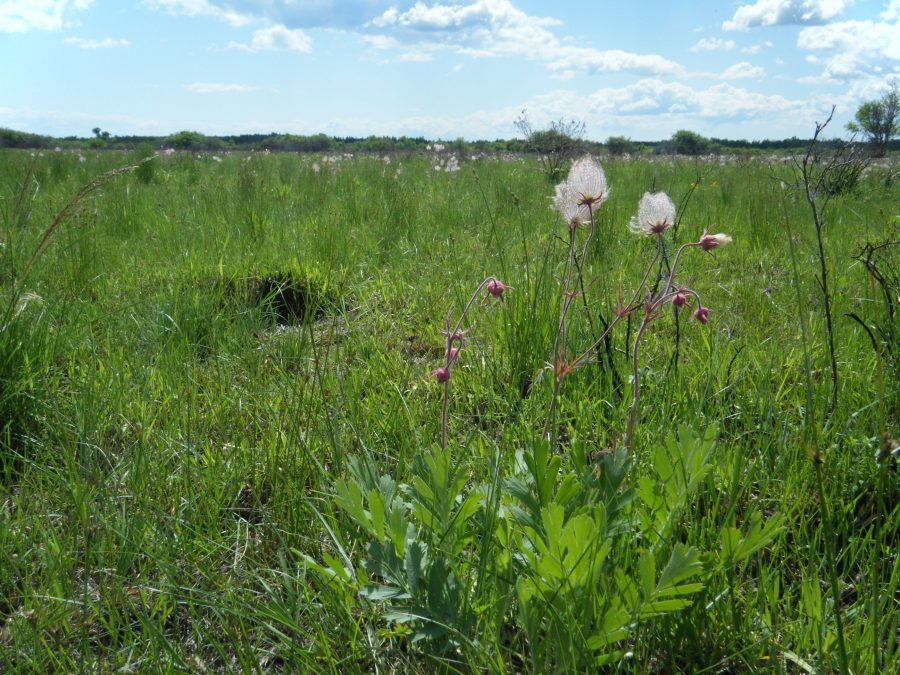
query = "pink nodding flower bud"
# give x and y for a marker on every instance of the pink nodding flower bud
(702, 315)
(679, 299)
(496, 287)
(453, 355)
(710, 241)
(442, 374)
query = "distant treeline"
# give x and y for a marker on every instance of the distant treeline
(320, 143)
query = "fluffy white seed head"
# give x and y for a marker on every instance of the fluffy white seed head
(656, 214)
(588, 182)
(566, 203)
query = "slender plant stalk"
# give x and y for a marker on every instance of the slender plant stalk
(812, 430)
(451, 337)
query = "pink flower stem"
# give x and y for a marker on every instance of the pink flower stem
(630, 307)
(648, 316)
(668, 286)
(632, 415)
(444, 415)
(559, 346)
(452, 336)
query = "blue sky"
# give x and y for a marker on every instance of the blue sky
(743, 69)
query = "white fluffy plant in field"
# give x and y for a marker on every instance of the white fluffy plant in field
(577, 200)
(656, 214)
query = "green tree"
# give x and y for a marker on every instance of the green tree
(619, 145)
(554, 146)
(879, 120)
(689, 142)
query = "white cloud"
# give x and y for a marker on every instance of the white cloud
(202, 8)
(20, 16)
(891, 11)
(712, 45)
(381, 41)
(652, 96)
(217, 88)
(742, 70)
(105, 43)
(276, 38)
(416, 56)
(854, 48)
(756, 49)
(344, 14)
(495, 28)
(785, 12)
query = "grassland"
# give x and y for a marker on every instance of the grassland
(221, 432)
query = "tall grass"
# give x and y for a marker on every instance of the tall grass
(179, 460)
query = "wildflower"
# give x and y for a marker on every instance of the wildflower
(702, 315)
(679, 299)
(710, 241)
(495, 287)
(452, 356)
(588, 183)
(441, 374)
(566, 203)
(656, 214)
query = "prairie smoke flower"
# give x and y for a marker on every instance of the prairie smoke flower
(588, 183)
(656, 214)
(452, 356)
(441, 374)
(710, 241)
(566, 203)
(679, 299)
(496, 287)
(702, 315)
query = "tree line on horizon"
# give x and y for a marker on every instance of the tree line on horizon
(683, 142)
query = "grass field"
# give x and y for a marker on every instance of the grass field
(221, 442)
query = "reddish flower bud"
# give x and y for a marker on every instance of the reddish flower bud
(702, 315)
(710, 241)
(496, 287)
(679, 299)
(442, 374)
(453, 355)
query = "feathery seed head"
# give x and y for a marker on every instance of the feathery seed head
(588, 183)
(566, 203)
(656, 214)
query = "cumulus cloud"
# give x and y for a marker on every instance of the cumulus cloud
(20, 16)
(785, 12)
(491, 28)
(756, 49)
(712, 45)
(276, 38)
(891, 11)
(742, 70)
(478, 28)
(854, 48)
(307, 14)
(203, 8)
(105, 43)
(217, 88)
(416, 56)
(653, 97)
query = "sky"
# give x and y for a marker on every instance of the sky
(750, 69)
